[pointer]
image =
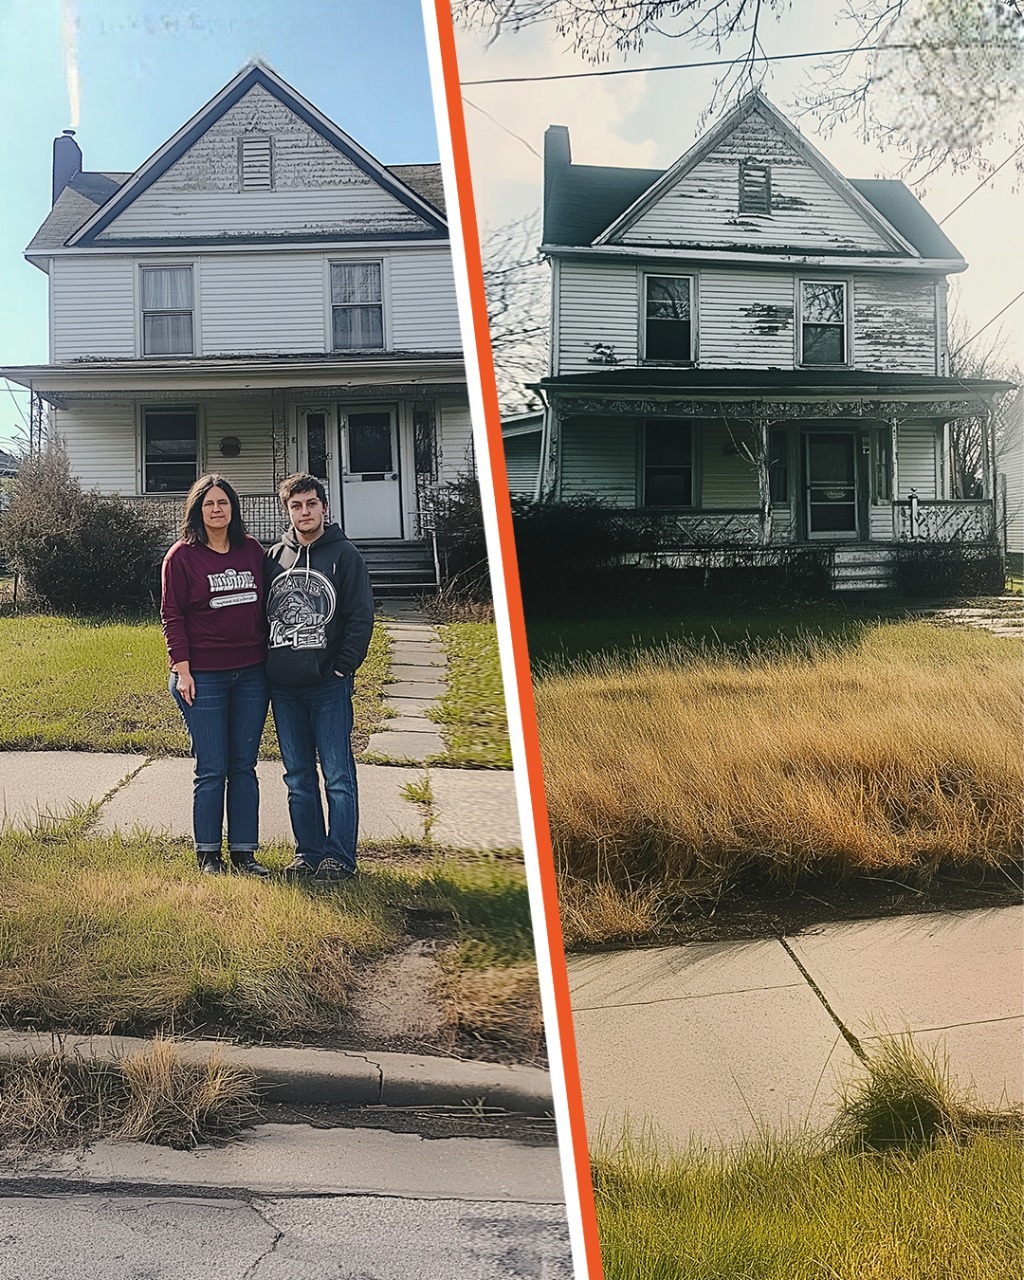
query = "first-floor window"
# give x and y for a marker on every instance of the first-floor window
(668, 464)
(357, 306)
(170, 450)
(167, 311)
(668, 329)
(823, 322)
(881, 480)
(778, 465)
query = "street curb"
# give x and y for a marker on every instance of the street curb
(325, 1076)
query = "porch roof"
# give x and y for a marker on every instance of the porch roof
(393, 373)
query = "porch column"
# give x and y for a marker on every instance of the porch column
(894, 481)
(548, 481)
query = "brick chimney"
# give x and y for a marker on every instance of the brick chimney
(67, 161)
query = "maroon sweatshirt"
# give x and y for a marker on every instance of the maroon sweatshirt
(212, 606)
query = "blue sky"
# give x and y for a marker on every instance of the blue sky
(144, 68)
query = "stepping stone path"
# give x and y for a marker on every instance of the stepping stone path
(1002, 615)
(419, 671)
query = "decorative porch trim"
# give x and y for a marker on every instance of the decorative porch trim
(754, 409)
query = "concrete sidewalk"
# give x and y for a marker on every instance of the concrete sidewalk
(711, 1042)
(471, 808)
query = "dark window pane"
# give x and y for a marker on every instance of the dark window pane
(668, 487)
(833, 518)
(778, 465)
(668, 340)
(831, 461)
(668, 298)
(170, 435)
(316, 444)
(369, 442)
(167, 334)
(668, 444)
(823, 344)
(358, 328)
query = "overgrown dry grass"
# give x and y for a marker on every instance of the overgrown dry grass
(913, 1182)
(59, 1099)
(685, 769)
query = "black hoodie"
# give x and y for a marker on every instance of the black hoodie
(319, 608)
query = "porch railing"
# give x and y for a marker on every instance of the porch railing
(671, 530)
(261, 513)
(944, 520)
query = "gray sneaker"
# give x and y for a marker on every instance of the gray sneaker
(298, 870)
(330, 869)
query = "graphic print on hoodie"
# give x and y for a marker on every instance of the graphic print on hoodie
(300, 604)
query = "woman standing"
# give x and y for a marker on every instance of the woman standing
(212, 611)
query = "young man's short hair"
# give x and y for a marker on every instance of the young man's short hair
(301, 482)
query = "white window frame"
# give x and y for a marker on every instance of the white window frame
(691, 279)
(361, 260)
(847, 358)
(255, 137)
(144, 408)
(140, 324)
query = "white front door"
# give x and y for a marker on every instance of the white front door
(371, 490)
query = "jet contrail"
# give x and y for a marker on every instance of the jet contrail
(69, 38)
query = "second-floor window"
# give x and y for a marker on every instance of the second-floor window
(668, 333)
(357, 306)
(822, 322)
(167, 311)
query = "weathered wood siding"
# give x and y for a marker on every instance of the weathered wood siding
(599, 459)
(522, 463)
(455, 440)
(316, 188)
(919, 448)
(894, 324)
(742, 318)
(93, 307)
(702, 207)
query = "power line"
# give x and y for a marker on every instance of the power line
(518, 137)
(21, 411)
(726, 62)
(980, 331)
(981, 184)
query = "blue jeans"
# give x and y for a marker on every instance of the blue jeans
(224, 725)
(316, 721)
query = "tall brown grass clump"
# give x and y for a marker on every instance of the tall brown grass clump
(687, 769)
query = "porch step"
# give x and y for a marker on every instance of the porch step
(863, 568)
(398, 567)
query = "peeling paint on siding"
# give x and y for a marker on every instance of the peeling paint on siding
(767, 319)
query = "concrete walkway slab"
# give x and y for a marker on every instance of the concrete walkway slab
(418, 655)
(52, 782)
(413, 744)
(424, 689)
(402, 672)
(412, 707)
(475, 809)
(984, 1057)
(915, 972)
(712, 1069)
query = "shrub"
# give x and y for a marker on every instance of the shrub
(79, 552)
(461, 547)
(950, 569)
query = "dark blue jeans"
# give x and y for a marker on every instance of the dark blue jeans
(224, 725)
(315, 721)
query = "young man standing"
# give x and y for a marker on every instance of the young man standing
(320, 614)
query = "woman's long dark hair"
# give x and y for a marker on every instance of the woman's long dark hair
(192, 529)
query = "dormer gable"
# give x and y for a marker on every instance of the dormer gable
(260, 163)
(754, 183)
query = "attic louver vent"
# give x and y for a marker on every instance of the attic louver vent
(255, 164)
(755, 187)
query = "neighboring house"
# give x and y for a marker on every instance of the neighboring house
(8, 465)
(261, 296)
(520, 434)
(748, 350)
(1010, 461)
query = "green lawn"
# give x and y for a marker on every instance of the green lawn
(96, 685)
(471, 714)
(120, 934)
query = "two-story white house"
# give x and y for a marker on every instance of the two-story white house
(749, 350)
(260, 296)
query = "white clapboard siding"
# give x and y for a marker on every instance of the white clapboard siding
(598, 306)
(316, 188)
(93, 307)
(746, 319)
(727, 478)
(249, 421)
(522, 463)
(894, 324)
(1011, 465)
(262, 303)
(424, 309)
(101, 442)
(880, 522)
(702, 208)
(919, 446)
(599, 458)
(455, 440)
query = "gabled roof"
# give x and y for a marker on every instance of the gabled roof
(256, 73)
(590, 204)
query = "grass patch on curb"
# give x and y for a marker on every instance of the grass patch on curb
(689, 773)
(75, 684)
(912, 1183)
(115, 934)
(154, 1096)
(471, 713)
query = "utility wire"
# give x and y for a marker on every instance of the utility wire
(981, 184)
(725, 62)
(518, 136)
(980, 331)
(10, 392)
